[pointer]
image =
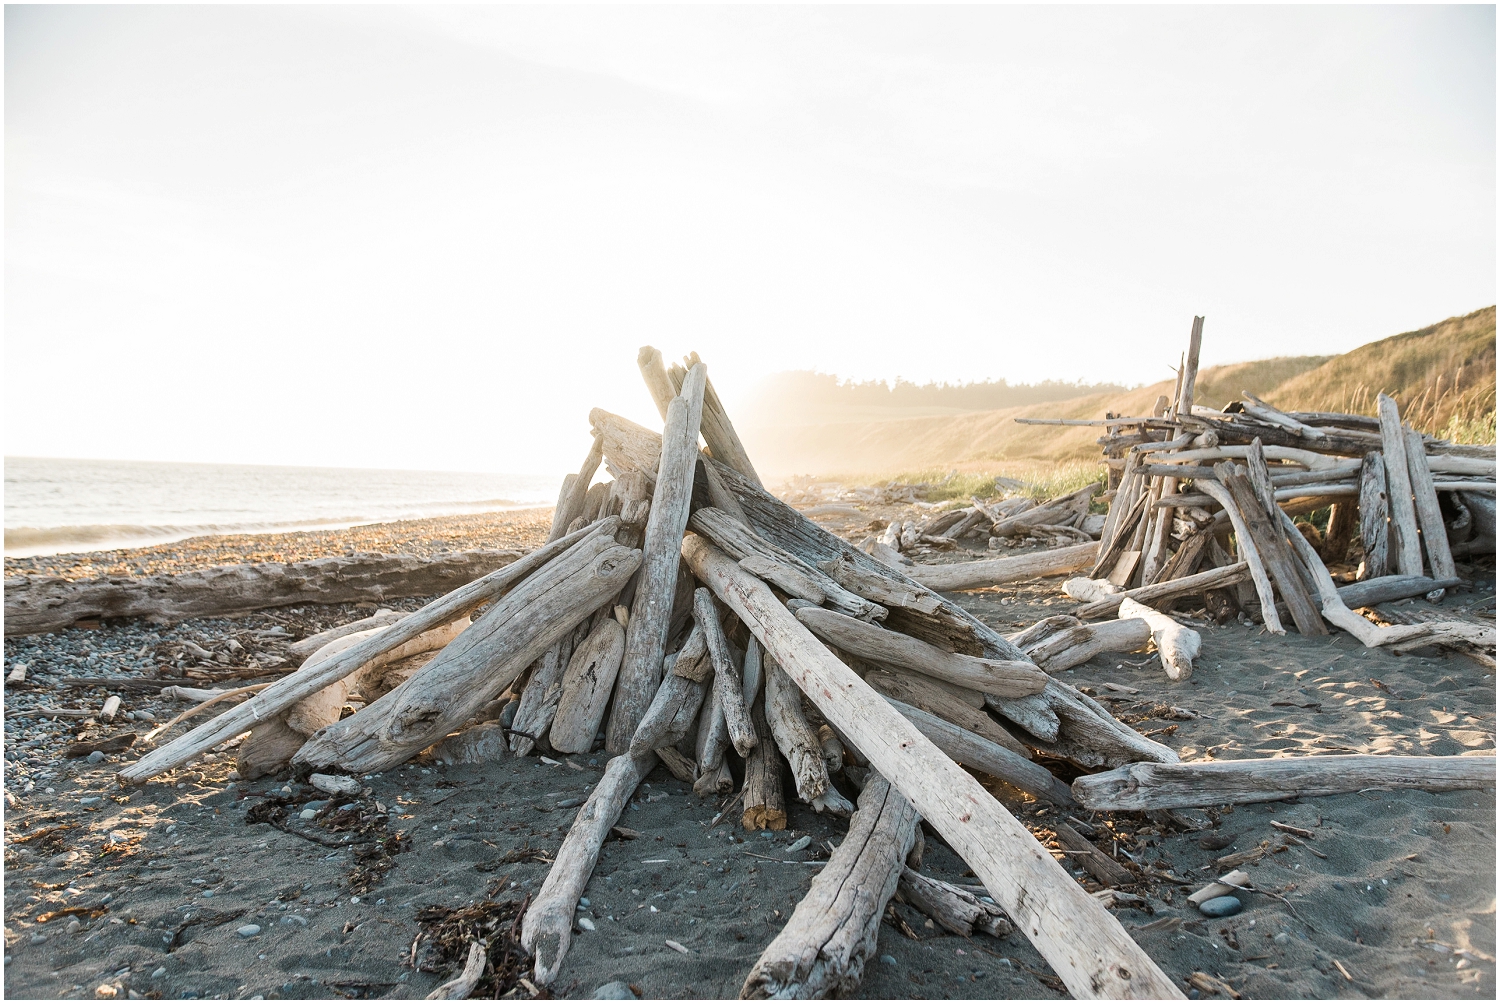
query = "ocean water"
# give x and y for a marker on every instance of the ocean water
(54, 506)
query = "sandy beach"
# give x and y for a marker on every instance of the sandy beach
(176, 890)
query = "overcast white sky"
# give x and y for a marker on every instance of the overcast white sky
(434, 238)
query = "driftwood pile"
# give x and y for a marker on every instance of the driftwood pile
(680, 614)
(1203, 504)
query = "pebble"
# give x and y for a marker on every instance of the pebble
(309, 813)
(585, 924)
(583, 901)
(616, 991)
(798, 844)
(96, 757)
(37, 939)
(569, 803)
(1282, 938)
(889, 960)
(294, 918)
(315, 804)
(90, 800)
(1220, 906)
(248, 931)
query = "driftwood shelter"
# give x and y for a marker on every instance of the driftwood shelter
(681, 614)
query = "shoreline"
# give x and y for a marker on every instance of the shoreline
(511, 528)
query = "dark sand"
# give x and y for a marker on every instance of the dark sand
(1404, 898)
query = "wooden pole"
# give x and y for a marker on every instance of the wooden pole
(650, 615)
(1434, 532)
(1407, 547)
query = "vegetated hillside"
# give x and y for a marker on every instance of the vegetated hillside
(1440, 375)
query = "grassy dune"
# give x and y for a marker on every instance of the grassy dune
(1443, 377)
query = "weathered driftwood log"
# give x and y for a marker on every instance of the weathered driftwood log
(570, 501)
(269, 747)
(990, 676)
(1482, 514)
(998, 571)
(779, 567)
(547, 928)
(952, 908)
(799, 744)
(964, 708)
(1042, 629)
(650, 614)
(1075, 646)
(1270, 543)
(1374, 518)
(540, 696)
(1159, 593)
(287, 691)
(1429, 516)
(1249, 553)
(35, 604)
(763, 803)
(1391, 587)
(480, 664)
(1405, 545)
(1095, 862)
(672, 713)
(1177, 646)
(728, 680)
(1086, 946)
(878, 588)
(586, 686)
(297, 652)
(823, 948)
(1057, 511)
(981, 753)
(1141, 786)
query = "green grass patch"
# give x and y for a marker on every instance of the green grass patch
(1038, 480)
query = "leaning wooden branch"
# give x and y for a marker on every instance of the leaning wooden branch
(479, 665)
(988, 676)
(1086, 946)
(998, 571)
(823, 949)
(952, 908)
(547, 928)
(288, 691)
(1143, 786)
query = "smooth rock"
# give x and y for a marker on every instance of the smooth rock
(798, 844)
(90, 800)
(889, 960)
(96, 757)
(616, 991)
(309, 814)
(585, 924)
(334, 784)
(1220, 906)
(248, 931)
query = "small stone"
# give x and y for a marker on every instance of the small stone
(248, 930)
(90, 800)
(354, 900)
(1339, 886)
(616, 991)
(798, 844)
(73, 925)
(584, 924)
(569, 803)
(38, 939)
(158, 972)
(293, 918)
(309, 814)
(1220, 906)
(1282, 938)
(96, 757)
(583, 901)
(889, 960)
